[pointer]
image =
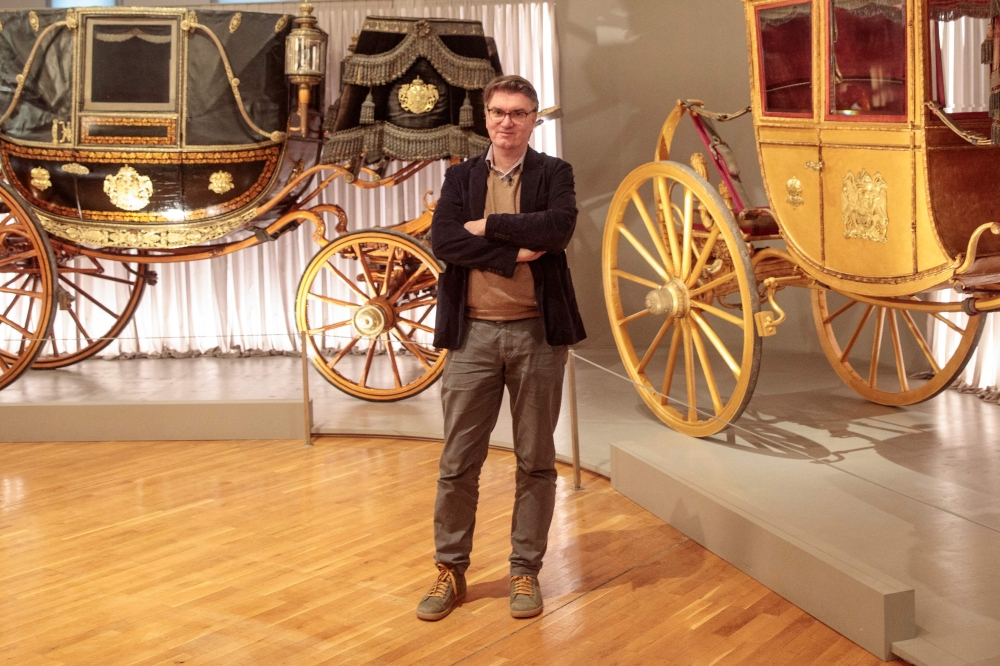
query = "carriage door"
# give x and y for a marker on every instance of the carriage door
(868, 167)
(786, 124)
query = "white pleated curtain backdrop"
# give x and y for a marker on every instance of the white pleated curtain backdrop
(244, 303)
(967, 90)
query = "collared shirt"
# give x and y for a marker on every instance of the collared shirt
(519, 164)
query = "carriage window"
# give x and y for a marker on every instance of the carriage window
(868, 58)
(131, 65)
(786, 58)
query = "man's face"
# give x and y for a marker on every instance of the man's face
(508, 133)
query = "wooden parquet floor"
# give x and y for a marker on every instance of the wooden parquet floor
(265, 553)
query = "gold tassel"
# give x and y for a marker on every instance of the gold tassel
(986, 53)
(465, 113)
(368, 110)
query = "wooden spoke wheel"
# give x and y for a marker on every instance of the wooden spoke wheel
(681, 296)
(370, 320)
(95, 301)
(883, 351)
(27, 287)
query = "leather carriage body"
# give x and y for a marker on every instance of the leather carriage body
(143, 128)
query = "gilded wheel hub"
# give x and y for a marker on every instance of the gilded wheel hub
(372, 319)
(671, 299)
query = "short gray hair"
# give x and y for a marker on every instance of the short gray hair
(512, 83)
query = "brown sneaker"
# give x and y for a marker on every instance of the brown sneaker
(444, 595)
(525, 596)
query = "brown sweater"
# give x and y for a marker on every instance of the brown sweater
(491, 296)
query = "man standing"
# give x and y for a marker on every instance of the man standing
(506, 310)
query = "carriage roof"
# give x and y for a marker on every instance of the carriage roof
(167, 117)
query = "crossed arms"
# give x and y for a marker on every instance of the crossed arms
(498, 242)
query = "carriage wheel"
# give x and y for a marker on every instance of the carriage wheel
(27, 287)
(907, 370)
(95, 301)
(681, 296)
(370, 320)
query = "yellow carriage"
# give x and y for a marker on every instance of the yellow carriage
(886, 203)
(136, 136)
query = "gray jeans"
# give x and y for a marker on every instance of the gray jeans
(493, 355)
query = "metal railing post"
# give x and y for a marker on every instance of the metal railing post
(574, 422)
(305, 390)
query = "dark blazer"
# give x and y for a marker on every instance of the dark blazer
(546, 222)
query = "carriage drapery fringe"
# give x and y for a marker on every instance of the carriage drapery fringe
(890, 9)
(383, 139)
(775, 16)
(940, 10)
(132, 34)
(952, 10)
(421, 42)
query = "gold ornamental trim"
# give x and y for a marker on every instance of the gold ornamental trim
(33, 20)
(169, 123)
(75, 169)
(220, 182)
(139, 156)
(864, 206)
(418, 97)
(40, 179)
(62, 131)
(234, 23)
(421, 41)
(405, 25)
(281, 24)
(794, 187)
(151, 237)
(128, 189)
(384, 139)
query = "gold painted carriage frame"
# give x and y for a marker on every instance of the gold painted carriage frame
(382, 311)
(885, 213)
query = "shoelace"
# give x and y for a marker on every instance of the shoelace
(523, 585)
(445, 578)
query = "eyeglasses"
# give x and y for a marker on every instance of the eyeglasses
(518, 117)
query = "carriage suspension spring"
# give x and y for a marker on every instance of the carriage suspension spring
(767, 325)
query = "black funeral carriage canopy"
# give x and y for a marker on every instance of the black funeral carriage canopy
(413, 90)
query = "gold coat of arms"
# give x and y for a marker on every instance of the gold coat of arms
(864, 205)
(128, 189)
(794, 187)
(418, 97)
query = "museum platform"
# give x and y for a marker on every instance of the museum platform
(881, 522)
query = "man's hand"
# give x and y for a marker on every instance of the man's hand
(524, 254)
(476, 227)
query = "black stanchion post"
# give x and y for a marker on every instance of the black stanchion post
(305, 389)
(574, 423)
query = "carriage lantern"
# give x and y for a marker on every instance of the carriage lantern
(305, 58)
